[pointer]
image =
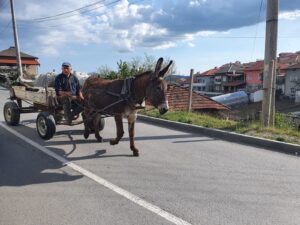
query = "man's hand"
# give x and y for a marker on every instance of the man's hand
(81, 95)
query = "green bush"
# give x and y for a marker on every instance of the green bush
(283, 121)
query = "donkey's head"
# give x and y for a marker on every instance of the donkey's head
(156, 92)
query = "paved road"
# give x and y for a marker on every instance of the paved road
(196, 179)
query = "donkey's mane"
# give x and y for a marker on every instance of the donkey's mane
(144, 73)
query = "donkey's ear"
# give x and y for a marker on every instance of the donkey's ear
(158, 66)
(165, 70)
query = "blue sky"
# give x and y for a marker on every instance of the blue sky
(198, 34)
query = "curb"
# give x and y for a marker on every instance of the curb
(225, 135)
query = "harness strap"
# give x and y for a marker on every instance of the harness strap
(125, 95)
(126, 89)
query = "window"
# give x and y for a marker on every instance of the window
(218, 79)
(249, 77)
(200, 80)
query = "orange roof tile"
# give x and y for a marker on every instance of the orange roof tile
(178, 98)
(23, 61)
(209, 72)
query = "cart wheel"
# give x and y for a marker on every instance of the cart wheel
(11, 113)
(45, 125)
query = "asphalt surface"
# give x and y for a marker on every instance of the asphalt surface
(199, 179)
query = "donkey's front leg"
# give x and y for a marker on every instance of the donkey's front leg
(120, 130)
(96, 127)
(86, 123)
(131, 122)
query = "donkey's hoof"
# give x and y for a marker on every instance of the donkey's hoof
(86, 135)
(113, 142)
(136, 153)
(99, 139)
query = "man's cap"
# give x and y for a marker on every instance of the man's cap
(66, 64)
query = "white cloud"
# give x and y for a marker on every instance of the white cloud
(165, 46)
(53, 38)
(130, 26)
(196, 2)
(50, 51)
(290, 15)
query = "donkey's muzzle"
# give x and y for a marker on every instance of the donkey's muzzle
(163, 108)
(163, 111)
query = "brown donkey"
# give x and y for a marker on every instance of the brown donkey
(120, 98)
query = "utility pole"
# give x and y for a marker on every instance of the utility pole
(269, 76)
(191, 90)
(19, 64)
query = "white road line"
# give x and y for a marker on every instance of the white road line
(153, 208)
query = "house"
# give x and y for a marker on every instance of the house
(284, 61)
(230, 78)
(204, 82)
(8, 63)
(292, 80)
(254, 72)
(253, 75)
(178, 98)
(289, 58)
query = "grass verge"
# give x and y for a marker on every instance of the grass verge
(283, 130)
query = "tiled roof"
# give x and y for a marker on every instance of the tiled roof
(230, 67)
(258, 65)
(178, 98)
(289, 58)
(295, 66)
(23, 61)
(208, 72)
(11, 52)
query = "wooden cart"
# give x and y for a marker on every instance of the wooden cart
(42, 101)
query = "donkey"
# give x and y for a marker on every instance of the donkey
(120, 98)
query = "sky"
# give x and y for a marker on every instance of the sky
(196, 34)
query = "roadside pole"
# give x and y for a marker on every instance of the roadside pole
(19, 64)
(191, 90)
(269, 77)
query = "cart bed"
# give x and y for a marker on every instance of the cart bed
(36, 95)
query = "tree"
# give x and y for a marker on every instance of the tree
(132, 68)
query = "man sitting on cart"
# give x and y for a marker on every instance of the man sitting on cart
(68, 92)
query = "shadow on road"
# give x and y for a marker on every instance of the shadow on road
(21, 164)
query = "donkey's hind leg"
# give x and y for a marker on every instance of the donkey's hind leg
(120, 130)
(131, 122)
(96, 127)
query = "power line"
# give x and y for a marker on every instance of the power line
(164, 37)
(59, 16)
(256, 29)
(108, 5)
(68, 12)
